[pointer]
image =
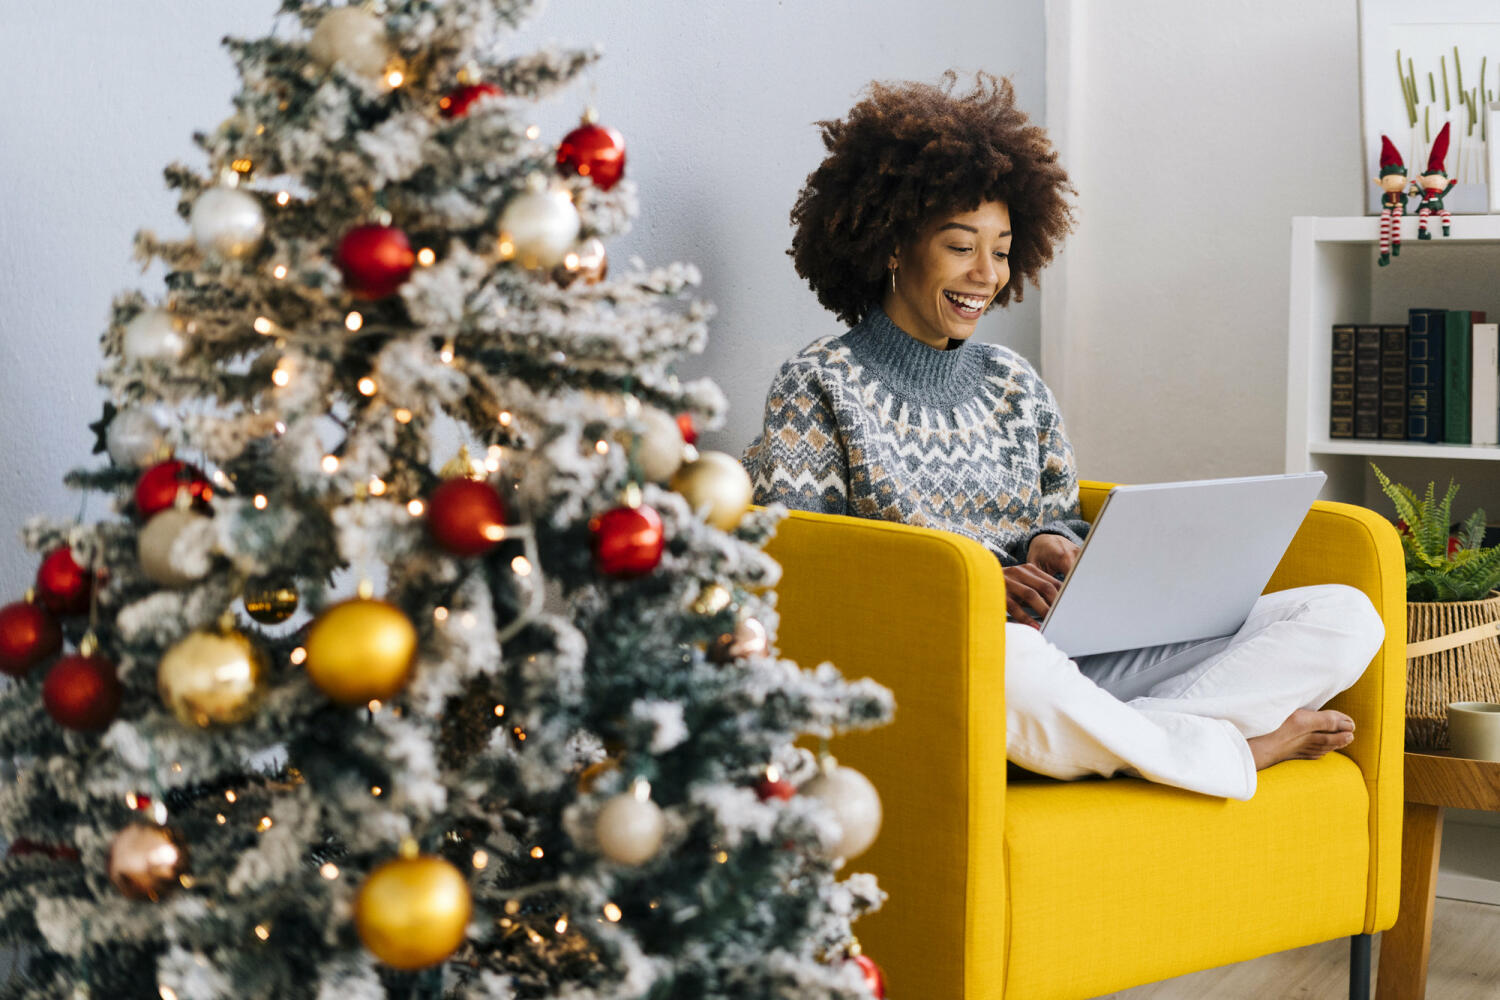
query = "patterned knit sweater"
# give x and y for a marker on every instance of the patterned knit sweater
(877, 424)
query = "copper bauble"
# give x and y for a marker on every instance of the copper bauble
(413, 912)
(28, 635)
(145, 861)
(210, 678)
(717, 486)
(748, 639)
(270, 601)
(361, 650)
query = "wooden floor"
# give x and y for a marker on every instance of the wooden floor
(1465, 966)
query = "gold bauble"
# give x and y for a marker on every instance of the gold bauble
(360, 650)
(146, 861)
(717, 486)
(212, 677)
(270, 602)
(712, 599)
(413, 912)
(748, 639)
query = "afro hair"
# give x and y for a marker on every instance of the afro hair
(909, 153)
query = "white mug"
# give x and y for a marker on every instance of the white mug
(1474, 729)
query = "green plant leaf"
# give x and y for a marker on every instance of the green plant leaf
(1473, 533)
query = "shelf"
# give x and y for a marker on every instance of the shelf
(1404, 449)
(1366, 229)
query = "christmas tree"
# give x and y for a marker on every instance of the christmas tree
(421, 654)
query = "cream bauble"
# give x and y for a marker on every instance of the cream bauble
(630, 826)
(717, 486)
(353, 39)
(154, 335)
(210, 678)
(655, 444)
(228, 222)
(539, 225)
(135, 438)
(169, 553)
(855, 804)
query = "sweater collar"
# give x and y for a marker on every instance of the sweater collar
(909, 367)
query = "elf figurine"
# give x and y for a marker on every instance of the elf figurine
(1430, 186)
(1392, 181)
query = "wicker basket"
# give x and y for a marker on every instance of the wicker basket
(1453, 654)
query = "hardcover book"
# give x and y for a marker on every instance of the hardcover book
(1341, 386)
(1484, 392)
(1458, 374)
(1426, 332)
(1367, 381)
(1393, 382)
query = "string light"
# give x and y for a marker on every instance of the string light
(512, 906)
(176, 767)
(507, 248)
(426, 256)
(521, 566)
(279, 272)
(493, 457)
(403, 416)
(571, 262)
(446, 354)
(374, 705)
(394, 79)
(260, 501)
(263, 932)
(263, 325)
(561, 926)
(499, 711)
(722, 857)
(166, 993)
(280, 377)
(186, 881)
(264, 824)
(353, 322)
(537, 852)
(221, 819)
(377, 791)
(366, 386)
(330, 464)
(377, 487)
(230, 797)
(481, 860)
(415, 508)
(440, 614)
(299, 656)
(602, 447)
(611, 913)
(283, 198)
(532, 131)
(330, 871)
(280, 427)
(243, 165)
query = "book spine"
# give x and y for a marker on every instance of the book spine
(1458, 376)
(1393, 382)
(1484, 394)
(1341, 384)
(1367, 381)
(1424, 370)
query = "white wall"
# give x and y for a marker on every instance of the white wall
(1194, 132)
(716, 100)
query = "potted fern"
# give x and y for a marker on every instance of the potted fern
(1452, 610)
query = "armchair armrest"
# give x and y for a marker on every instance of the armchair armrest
(1342, 543)
(922, 612)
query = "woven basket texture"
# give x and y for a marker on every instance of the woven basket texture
(1465, 673)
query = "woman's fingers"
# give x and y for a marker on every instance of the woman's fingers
(1028, 592)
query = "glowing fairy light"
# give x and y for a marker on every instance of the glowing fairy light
(403, 416)
(612, 913)
(283, 198)
(279, 272)
(353, 322)
(330, 464)
(481, 860)
(377, 487)
(263, 325)
(366, 386)
(330, 871)
(260, 501)
(426, 256)
(415, 508)
(299, 656)
(521, 566)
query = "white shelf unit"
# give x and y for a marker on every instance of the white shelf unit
(1335, 279)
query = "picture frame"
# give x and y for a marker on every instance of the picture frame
(1420, 66)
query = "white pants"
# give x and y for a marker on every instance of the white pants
(1181, 714)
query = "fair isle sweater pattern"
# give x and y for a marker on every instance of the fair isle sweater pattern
(877, 424)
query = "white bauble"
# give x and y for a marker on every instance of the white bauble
(169, 553)
(352, 38)
(855, 804)
(135, 438)
(541, 225)
(656, 444)
(228, 222)
(154, 335)
(630, 828)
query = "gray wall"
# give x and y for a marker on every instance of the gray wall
(716, 100)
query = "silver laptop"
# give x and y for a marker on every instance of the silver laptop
(1170, 562)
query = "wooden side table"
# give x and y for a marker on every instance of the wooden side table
(1433, 782)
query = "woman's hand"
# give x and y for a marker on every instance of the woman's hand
(1053, 554)
(1029, 590)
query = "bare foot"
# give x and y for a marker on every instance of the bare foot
(1305, 735)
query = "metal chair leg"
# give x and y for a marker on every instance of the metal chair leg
(1359, 967)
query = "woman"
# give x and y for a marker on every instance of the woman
(931, 208)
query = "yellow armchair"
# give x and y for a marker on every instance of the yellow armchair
(1032, 889)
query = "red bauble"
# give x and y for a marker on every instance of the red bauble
(594, 151)
(28, 635)
(778, 789)
(375, 260)
(62, 585)
(159, 485)
(689, 432)
(455, 103)
(82, 692)
(1453, 545)
(627, 540)
(874, 978)
(466, 517)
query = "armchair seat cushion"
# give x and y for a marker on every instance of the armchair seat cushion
(1129, 881)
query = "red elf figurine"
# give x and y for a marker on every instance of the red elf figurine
(1392, 181)
(1430, 186)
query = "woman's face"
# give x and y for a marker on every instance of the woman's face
(948, 276)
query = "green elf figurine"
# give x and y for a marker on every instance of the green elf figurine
(1430, 187)
(1392, 181)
